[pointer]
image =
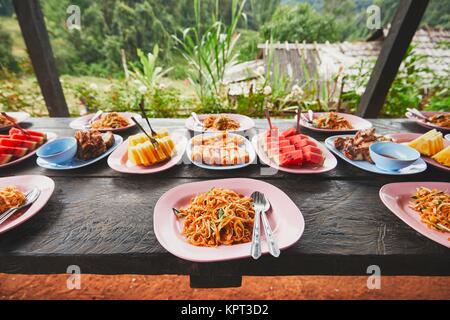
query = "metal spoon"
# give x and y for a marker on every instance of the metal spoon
(197, 119)
(271, 242)
(418, 114)
(261, 206)
(311, 116)
(93, 119)
(31, 197)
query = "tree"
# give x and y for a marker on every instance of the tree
(6, 8)
(300, 23)
(7, 60)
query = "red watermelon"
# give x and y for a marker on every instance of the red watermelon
(5, 158)
(18, 143)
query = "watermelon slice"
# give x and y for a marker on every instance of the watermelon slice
(289, 132)
(297, 137)
(286, 149)
(314, 158)
(306, 142)
(310, 148)
(15, 152)
(30, 132)
(284, 143)
(39, 140)
(5, 158)
(293, 158)
(31, 145)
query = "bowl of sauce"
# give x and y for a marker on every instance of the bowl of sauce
(392, 156)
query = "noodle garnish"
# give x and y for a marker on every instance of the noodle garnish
(11, 197)
(221, 123)
(112, 120)
(218, 217)
(433, 207)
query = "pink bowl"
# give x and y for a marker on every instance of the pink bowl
(118, 160)
(81, 122)
(396, 197)
(24, 184)
(285, 219)
(424, 124)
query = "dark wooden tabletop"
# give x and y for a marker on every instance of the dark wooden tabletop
(102, 221)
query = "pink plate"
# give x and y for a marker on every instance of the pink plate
(396, 197)
(19, 116)
(408, 137)
(25, 184)
(81, 122)
(357, 123)
(329, 164)
(118, 160)
(50, 136)
(285, 219)
(426, 124)
(246, 122)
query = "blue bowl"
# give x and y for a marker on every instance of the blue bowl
(58, 151)
(392, 156)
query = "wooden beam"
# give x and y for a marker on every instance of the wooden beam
(36, 38)
(404, 25)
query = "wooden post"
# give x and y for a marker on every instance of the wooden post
(36, 38)
(404, 25)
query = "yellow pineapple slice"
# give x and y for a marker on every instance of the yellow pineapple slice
(429, 144)
(443, 157)
(148, 147)
(133, 156)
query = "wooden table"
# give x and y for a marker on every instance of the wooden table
(102, 221)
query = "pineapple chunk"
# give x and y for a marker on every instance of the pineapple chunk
(443, 157)
(429, 144)
(142, 152)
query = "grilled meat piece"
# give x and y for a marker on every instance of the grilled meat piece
(108, 138)
(357, 148)
(91, 144)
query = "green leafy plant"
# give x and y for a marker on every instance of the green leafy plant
(209, 51)
(147, 71)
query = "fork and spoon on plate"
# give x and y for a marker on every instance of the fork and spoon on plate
(30, 197)
(262, 205)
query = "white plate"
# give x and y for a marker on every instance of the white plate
(247, 145)
(77, 163)
(19, 116)
(329, 164)
(416, 167)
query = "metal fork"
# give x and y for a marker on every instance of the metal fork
(261, 205)
(31, 197)
(152, 140)
(256, 237)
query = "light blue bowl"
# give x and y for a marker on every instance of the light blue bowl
(58, 151)
(392, 156)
